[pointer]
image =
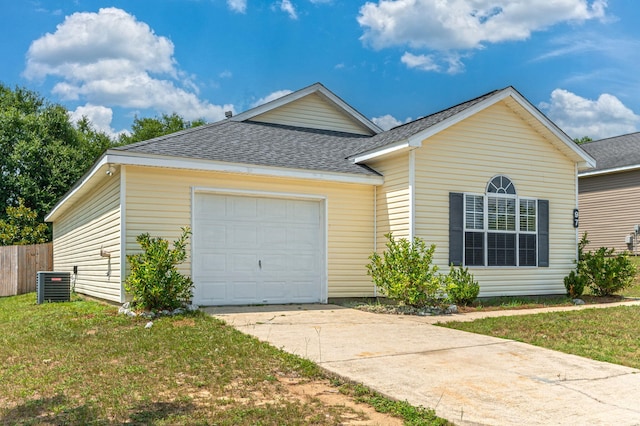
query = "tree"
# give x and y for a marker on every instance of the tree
(42, 154)
(22, 227)
(148, 128)
(582, 140)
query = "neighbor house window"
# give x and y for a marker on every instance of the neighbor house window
(500, 228)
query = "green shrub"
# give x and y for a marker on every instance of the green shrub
(576, 281)
(575, 284)
(405, 274)
(606, 273)
(155, 282)
(463, 288)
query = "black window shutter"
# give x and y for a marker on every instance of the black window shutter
(456, 228)
(543, 233)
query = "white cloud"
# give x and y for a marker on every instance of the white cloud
(109, 58)
(601, 118)
(99, 116)
(288, 7)
(421, 62)
(388, 121)
(446, 26)
(271, 97)
(449, 63)
(239, 6)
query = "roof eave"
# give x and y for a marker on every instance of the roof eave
(609, 171)
(112, 157)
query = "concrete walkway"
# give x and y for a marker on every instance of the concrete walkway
(467, 378)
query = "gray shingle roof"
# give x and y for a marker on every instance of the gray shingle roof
(615, 152)
(261, 144)
(273, 145)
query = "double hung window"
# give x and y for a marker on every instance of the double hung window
(500, 228)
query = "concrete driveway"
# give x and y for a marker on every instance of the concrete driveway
(466, 378)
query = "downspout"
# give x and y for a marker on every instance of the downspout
(123, 231)
(577, 207)
(375, 231)
(412, 198)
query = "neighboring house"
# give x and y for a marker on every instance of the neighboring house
(287, 201)
(609, 202)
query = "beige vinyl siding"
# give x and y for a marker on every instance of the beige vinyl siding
(92, 224)
(463, 158)
(313, 112)
(609, 208)
(392, 198)
(159, 202)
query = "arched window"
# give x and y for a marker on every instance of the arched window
(500, 227)
(501, 185)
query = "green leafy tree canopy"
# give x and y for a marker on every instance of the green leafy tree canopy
(22, 227)
(148, 128)
(42, 154)
(582, 140)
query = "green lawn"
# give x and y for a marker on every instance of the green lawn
(82, 363)
(634, 291)
(609, 334)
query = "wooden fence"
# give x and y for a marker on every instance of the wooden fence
(19, 264)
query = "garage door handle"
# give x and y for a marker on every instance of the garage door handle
(260, 264)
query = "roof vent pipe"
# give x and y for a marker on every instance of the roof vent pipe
(228, 114)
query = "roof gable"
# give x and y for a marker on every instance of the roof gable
(314, 107)
(412, 134)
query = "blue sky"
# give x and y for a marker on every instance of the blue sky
(576, 60)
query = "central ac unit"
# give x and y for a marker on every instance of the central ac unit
(53, 286)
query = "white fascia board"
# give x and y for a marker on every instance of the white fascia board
(132, 159)
(383, 151)
(74, 190)
(610, 171)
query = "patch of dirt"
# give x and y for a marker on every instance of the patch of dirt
(359, 414)
(184, 322)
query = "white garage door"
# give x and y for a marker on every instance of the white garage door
(254, 250)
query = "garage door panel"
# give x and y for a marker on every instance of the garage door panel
(257, 250)
(210, 263)
(211, 292)
(276, 291)
(213, 207)
(243, 236)
(275, 236)
(242, 207)
(303, 237)
(215, 234)
(243, 262)
(273, 210)
(274, 263)
(301, 263)
(246, 291)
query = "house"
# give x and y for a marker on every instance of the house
(287, 201)
(609, 203)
